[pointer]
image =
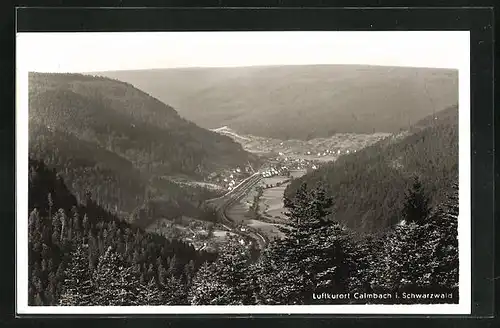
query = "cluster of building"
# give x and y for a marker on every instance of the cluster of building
(229, 179)
(329, 152)
(275, 170)
(295, 163)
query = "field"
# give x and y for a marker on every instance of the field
(273, 180)
(271, 202)
(270, 206)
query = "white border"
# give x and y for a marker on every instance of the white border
(464, 230)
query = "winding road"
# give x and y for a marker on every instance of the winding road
(221, 204)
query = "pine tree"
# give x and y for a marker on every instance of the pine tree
(149, 294)
(314, 255)
(416, 207)
(115, 283)
(402, 259)
(172, 266)
(50, 202)
(64, 222)
(162, 273)
(173, 292)
(278, 282)
(367, 258)
(422, 258)
(225, 281)
(78, 288)
(189, 270)
(118, 285)
(86, 223)
(445, 222)
(33, 224)
(50, 294)
(206, 288)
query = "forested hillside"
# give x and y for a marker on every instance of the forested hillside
(126, 121)
(301, 102)
(111, 138)
(414, 263)
(80, 254)
(369, 186)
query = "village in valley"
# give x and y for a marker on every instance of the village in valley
(262, 208)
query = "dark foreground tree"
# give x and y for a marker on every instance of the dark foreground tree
(225, 281)
(173, 292)
(117, 284)
(63, 270)
(416, 207)
(78, 287)
(445, 239)
(422, 258)
(315, 254)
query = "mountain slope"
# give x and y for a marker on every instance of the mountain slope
(301, 102)
(59, 225)
(368, 186)
(115, 141)
(128, 122)
(114, 181)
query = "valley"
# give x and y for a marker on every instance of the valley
(151, 181)
(154, 162)
(221, 189)
(282, 161)
(240, 169)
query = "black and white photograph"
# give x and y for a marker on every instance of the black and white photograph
(243, 172)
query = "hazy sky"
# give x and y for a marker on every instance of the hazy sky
(86, 52)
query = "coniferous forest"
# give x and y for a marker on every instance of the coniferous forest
(375, 226)
(81, 254)
(108, 136)
(369, 186)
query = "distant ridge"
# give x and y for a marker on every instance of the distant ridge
(369, 186)
(108, 137)
(301, 102)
